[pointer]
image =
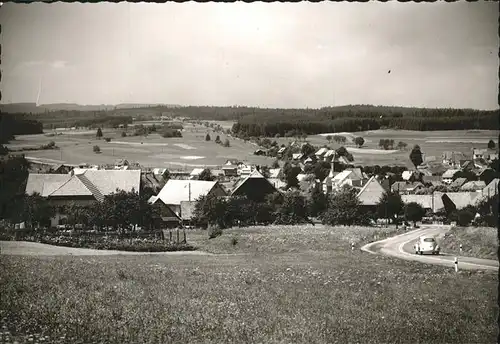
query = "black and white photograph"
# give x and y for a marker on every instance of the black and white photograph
(249, 172)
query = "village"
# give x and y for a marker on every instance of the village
(454, 181)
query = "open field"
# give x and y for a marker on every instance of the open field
(290, 285)
(432, 143)
(191, 150)
(480, 242)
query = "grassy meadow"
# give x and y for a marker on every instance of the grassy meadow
(75, 146)
(282, 284)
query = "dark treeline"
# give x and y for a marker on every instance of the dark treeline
(324, 121)
(11, 125)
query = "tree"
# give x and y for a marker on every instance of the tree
(390, 205)
(341, 151)
(217, 139)
(3, 150)
(99, 133)
(359, 141)
(491, 144)
(293, 209)
(307, 149)
(97, 149)
(402, 145)
(329, 138)
(290, 174)
(416, 156)
(318, 201)
(211, 210)
(124, 134)
(226, 143)
(414, 212)
(207, 137)
(37, 210)
(206, 175)
(344, 208)
(321, 170)
(276, 164)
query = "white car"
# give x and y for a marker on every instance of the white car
(427, 244)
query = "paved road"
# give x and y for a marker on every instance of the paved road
(26, 248)
(401, 246)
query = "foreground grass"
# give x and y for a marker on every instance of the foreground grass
(479, 242)
(307, 289)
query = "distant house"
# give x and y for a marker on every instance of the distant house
(491, 156)
(478, 153)
(179, 174)
(83, 188)
(413, 175)
(281, 152)
(473, 186)
(195, 173)
(310, 160)
(371, 193)
(321, 153)
(453, 158)
(176, 191)
(255, 187)
(406, 188)
(351, 176)
(152, 181)
(259, 152)
(217, 173)
(491, 190)
(330, 153)
(297, 156)
(457, 183)
(245, 170)
(447, 177)
(121, 163)
(439, 201)
(232, 162)
(275, 172)
(159, 171)
(230, 170)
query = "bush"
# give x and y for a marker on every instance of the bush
(124, 134)
(226, 143)
(97, 149)
(107, 139)
(168, 132)
(214, 232)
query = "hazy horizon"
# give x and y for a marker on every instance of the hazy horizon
(268, 55)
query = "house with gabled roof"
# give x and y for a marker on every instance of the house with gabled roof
(81, 188)
(255, 187)
(371, 193)
(405, 188)
(475, 185)
(321, 152)
(176, 191)
(457, 183)
(447, 177)
(351, 176)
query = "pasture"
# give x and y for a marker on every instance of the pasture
(191, 150)
(286, 284)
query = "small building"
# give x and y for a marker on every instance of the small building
(447, 177)
(260, 152)
(457, 183)
(195, 173)
(297, 156)
(473, 186)
(453, 158)
(230, 170)
(405, 188)
(176, 191)
(478, 153)
(370, 194)
(255, 187)
(321, 153)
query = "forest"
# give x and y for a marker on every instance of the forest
(11, 125)
(326, 120)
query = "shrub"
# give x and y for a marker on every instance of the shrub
(226, 143)
(97, 149)
(234, 241)
(107, 139)
(124, 134)
(207, 137)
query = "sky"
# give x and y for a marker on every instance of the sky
(288, 55)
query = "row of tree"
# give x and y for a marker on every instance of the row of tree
(271, 125)
(11, 125)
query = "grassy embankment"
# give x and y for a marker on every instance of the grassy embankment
(282, 285)
(479, 242)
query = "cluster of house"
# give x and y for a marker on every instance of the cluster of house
(176, 197)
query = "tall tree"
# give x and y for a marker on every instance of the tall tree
(390, 205)
(414, 212)
(207, 137)
(491, 144)
(359, 141)
(416, 156)
(344, 208)
(37, 210)
(206, 175)
(99, 133)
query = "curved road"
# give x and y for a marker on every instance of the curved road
(401, 246)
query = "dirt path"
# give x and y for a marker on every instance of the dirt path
(25, 248)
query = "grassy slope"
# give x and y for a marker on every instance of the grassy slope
(479, 242)
(287, 285)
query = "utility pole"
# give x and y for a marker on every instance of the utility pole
(189, 187)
